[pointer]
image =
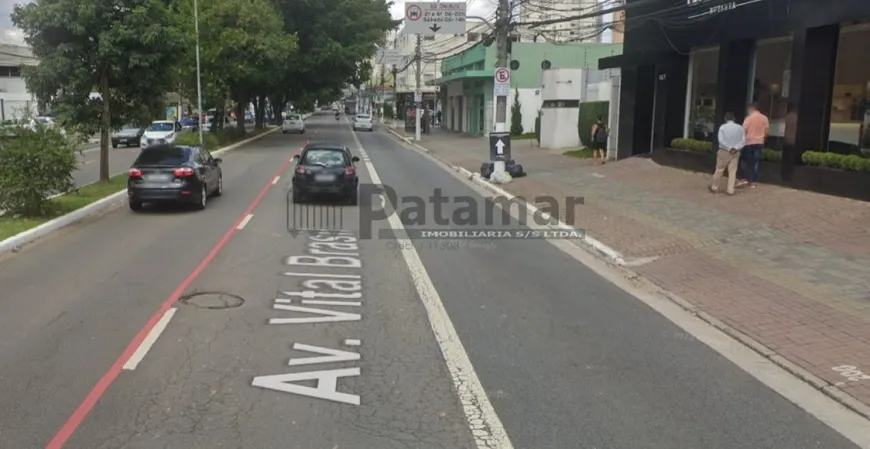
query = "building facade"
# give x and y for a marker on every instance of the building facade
(581, 30)
(434, 50)
(466, 93)
(15, 101)
(805, 64)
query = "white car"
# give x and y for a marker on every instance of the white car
(160, 132)
(363, 121)
(293, 123)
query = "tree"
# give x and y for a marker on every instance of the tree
(516, 115)
(123, 49)
(335, 38)
(243, 51)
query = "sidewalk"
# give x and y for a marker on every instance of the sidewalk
(789, 269)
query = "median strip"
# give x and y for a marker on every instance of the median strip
(74, 206)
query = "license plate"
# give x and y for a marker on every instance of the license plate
(324, 178)
(122, 140)
(158, 177)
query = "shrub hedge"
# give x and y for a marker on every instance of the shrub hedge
(824, 159)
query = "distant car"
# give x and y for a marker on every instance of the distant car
(363, 121)
(174, 173)
(128, 136)
(189, 124)
(323, 168)
(160, 132)
(293, 123)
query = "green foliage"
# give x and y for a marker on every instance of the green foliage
(336, 39)
(538, 127)
(388, 110)
(516, 115)
(33, 166)
(589, 113)
(209, 140)
(704, 146)
(850, 162)
(122, 49)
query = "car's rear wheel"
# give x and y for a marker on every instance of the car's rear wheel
(135, 205)
(203, 198)
(297, 196)
(114, 145)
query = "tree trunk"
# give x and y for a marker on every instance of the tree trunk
(278, 108)
(240, 116)
(105, 125)
(261, 112)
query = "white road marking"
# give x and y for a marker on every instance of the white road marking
(352, 342)
(245, 222)
(485, 425)
(323, 275)
(275, 181)
(149, 340)
(327, 355)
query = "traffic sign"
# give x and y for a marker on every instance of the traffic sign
(499, 146)
(388, 56)
(430, 18)
(502, 82)
(418, 96)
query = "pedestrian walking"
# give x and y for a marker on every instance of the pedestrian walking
(599, 141)
(757, 127)
(732, 139)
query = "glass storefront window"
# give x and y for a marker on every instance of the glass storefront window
(850, 103)
(771, 83)
(702, 106)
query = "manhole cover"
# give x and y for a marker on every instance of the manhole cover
(212, 300)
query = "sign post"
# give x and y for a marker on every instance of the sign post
(500, 137)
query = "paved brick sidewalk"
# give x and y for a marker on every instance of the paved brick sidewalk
(789, 269)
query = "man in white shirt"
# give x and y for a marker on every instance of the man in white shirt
(732, 139)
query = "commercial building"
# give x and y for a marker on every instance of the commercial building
(466, 83)
(804, 62)
(434, 50)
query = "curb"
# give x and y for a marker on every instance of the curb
(612, 256)
(15, 242)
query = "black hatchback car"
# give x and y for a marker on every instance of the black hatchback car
(326, 169)
(174, 173)
(128, 136)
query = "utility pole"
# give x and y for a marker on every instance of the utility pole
(502, 31)
(395, 94)
(418, 102)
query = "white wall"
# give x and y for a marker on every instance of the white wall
(530, 103)
(17, 102)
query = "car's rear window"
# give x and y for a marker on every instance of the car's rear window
(324, 157)
(293, 117)
(163, 156)
(363, 116)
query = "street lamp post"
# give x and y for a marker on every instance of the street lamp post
(198, 76)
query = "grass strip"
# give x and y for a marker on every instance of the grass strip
(63, 204)
(582, 153)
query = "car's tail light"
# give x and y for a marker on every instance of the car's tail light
(349, 171)
(134, 173)
(183, 172)
(300, 169)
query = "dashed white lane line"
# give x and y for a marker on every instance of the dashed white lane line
(275, 181)
(245, 220)
(149, 340)
(485, 425)
(352, 342)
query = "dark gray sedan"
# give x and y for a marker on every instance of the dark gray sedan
(128, 136)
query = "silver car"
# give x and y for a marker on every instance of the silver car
(293, 123)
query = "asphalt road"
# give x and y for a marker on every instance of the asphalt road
(120, 160)
(372, 356)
